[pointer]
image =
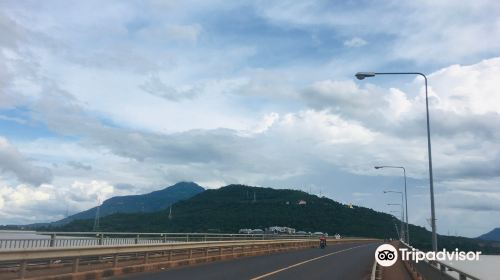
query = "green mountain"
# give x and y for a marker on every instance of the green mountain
(233, 207)
(493, 235)
(144, 203)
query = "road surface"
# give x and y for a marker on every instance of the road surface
(343, 261)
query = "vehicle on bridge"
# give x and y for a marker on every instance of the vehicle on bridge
(322, 242)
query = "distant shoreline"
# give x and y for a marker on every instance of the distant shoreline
(16, 231)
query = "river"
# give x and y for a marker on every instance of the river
(486, 268)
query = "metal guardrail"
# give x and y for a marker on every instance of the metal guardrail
(437, 268)
(16, 264)
(82, 239)
(105, 261)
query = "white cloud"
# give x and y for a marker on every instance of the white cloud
(266, 123)
(47, 202)
(97, 190)
(355, 42)
(468, 89)
(398, 104)
(350, 129)
(13, 162)
(421, 31)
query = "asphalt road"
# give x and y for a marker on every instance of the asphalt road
(344, 261)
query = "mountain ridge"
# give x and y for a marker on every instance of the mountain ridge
(493, 235)
(149, 202)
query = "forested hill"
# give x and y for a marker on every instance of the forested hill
(150, 202)
(236, 206)
(493, 235)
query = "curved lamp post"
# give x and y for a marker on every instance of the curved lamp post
(406, 198)
(402, 214)
(398, 212)
(363, 75)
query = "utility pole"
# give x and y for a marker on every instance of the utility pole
(397, 230)
(97, 214)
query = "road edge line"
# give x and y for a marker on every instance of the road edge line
(304, 262)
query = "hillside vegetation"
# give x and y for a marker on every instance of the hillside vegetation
(150, 202)
(230, 208)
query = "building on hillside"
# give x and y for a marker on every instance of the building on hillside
(302, 202)
(280, 230)
(251, 231)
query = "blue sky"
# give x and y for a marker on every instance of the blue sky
(148, 93)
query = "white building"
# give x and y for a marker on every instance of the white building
(280, 230)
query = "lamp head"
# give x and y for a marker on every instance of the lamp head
(378, 167)
(362, 75)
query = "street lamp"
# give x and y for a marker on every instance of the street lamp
(361, 76)
(397, 231)
(406, 198)
(402, 212)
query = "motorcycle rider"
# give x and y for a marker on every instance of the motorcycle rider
(322, 241)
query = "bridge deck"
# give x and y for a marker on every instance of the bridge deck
(340, 261)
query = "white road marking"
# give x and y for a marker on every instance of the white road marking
(304, 262)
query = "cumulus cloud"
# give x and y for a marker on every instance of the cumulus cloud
(349, 123)
(13, 162)
(464, 141)
(29, 204)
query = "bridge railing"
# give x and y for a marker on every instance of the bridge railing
(82, 239)
(436, 269)
(45, 262)
(104, 261)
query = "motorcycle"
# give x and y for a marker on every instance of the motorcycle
(322, 244)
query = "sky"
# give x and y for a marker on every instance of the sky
(99, 99)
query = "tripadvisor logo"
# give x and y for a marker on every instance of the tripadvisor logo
(387, 255)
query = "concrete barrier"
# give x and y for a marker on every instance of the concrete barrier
(105, 261)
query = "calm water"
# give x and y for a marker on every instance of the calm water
(486, 268)
(8, 234)
(13, 234)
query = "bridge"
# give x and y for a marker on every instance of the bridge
(137, 256)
